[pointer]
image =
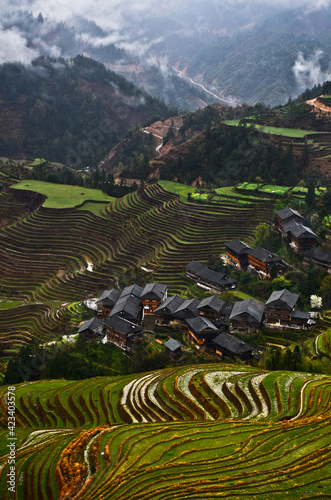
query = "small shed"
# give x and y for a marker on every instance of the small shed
(174, 349)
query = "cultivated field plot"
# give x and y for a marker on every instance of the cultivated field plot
(191, 432)
(49, 255)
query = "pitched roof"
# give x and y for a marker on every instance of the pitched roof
(300, 315)
(200, 324)
(188, 308)
(282, 298)
(237, 246)
(251, 309)
(213, 302)
(172, 345)
(319, 255)
(287, 212)
(169, 305)
(154, 291)
(123, 325)
(109, 297)
(132, 290)
(91, 324)
(301, 231)
(264, 255)
(232, 344)
(129, 305)
(206, 274)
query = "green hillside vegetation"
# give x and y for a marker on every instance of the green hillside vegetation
(286, 132)
(70, 111)
(198, 431)
(62, 195)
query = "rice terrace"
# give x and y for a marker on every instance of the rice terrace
(198, 431)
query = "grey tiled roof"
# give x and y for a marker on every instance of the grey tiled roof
(187, 309)
(319, 255)
(173, 345)
(251, 309)
(129, 305)
(213, 302)
(237, 246)
(282, 298)
(123, 325)
(132, 290)
(200, 324)
(232, 344)
(300, 315)
(154, 291)
(264, 255)
(169, 305)
(287, 212)
(91, 324)
(109, 297)
(206, 274)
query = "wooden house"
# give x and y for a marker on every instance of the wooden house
(122, 332)
(92, 329)
(211, 307)
(108, 299)
(188, 309)
(174, 349)
(286, 215)
(299, 236)
(152, 295)
(228, 345)
(279, 306)
(201, 329)
(262, 260)
(164, 313)
(281, 311)
(128, 307)
(134, 290)
(319, 257)
(247, 316)
(208, 278)
(236, 252)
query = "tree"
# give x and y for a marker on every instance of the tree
(310, 197)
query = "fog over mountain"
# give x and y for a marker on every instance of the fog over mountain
(206, 41)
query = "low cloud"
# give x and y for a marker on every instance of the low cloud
(13, 47)
(308, 71)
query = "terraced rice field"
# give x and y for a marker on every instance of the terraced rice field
(45, 252)
(191, 432)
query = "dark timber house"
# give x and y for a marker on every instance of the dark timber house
(231, 347)
(128, 307)
(188, 309)
(164, 313)
(211, 307)
(236, 251)
(281, 313)
(279, 306)
(319, 257)
(208, 278)
(262, 260)
(152, 296)
(122, 332)
(286, 215)
(247, 316)
(108, 299)
(174, 349)
(92, 329)
(201, 329)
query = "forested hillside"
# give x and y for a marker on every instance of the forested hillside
(69, 111)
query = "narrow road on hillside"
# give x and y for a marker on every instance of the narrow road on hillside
(319, 105)
(227, 101)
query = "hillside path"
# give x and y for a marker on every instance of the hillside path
(319, 105)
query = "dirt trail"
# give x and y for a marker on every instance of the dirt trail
(319, 105)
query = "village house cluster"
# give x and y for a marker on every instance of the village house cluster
(208, 323)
